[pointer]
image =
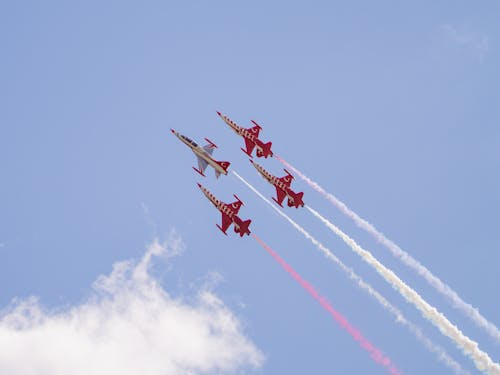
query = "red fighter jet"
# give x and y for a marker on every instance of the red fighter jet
(251, 137)
(282, 186)
(229, 213)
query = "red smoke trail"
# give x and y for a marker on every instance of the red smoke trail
(375, 353)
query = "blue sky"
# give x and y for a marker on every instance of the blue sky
(390, 106)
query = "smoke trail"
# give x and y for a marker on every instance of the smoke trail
(399, 317)
(375, 353)
(470, 311)
(481, 359)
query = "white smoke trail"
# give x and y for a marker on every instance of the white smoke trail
(470, 311)
(399, 317)
(481, 359)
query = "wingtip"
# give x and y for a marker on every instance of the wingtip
(199, 185)
(255, 123)
(172, 130)
(220, 114)
(239, 199)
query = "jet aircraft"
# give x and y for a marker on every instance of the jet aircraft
(204, 155)
(229, 213)
(282, 185)
(251, 137)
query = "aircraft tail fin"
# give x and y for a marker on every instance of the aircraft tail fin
(297, 200)
(266, 150)
(242, 227)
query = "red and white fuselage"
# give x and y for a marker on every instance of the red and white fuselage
(229, 213)
(251, 137)
(282, 185)
(204, 155)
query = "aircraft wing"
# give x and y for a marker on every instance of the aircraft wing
(249, 145)
(202, 164)
(255, 130)
(287, 180)
(280, 195)
(226, 222)
(235, 206)
(209, 148)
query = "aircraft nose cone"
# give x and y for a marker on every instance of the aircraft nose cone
(219, 113)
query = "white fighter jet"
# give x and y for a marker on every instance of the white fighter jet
(204, 155)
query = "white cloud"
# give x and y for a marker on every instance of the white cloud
(130, 325)
(477, 41)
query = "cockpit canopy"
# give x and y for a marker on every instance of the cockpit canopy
(189, 140)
